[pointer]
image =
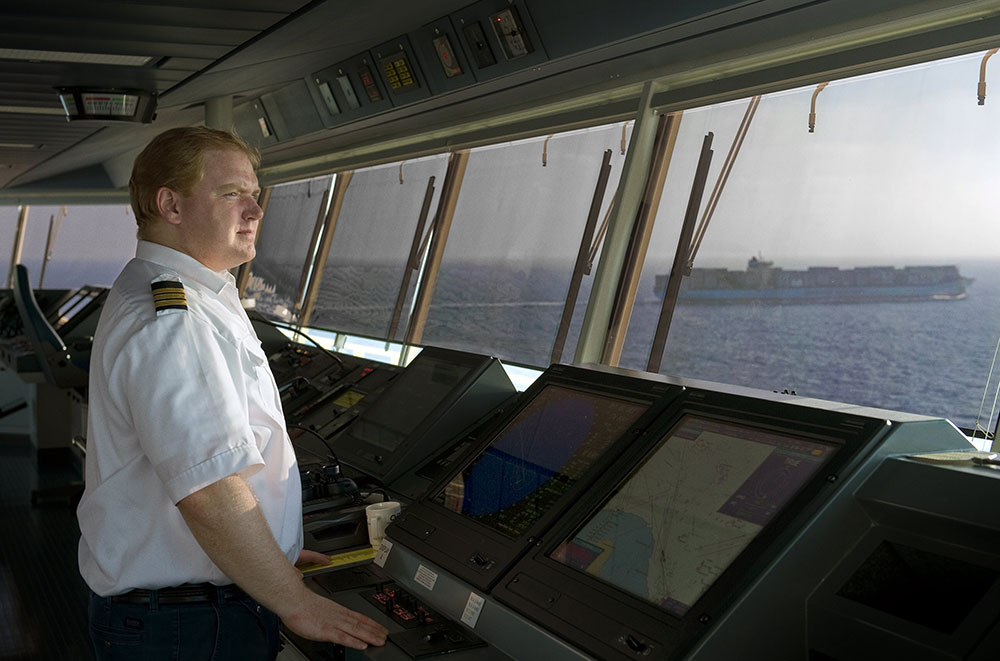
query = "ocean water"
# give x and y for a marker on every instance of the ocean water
(928, 357)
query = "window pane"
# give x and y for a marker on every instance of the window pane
(90, 244)
(513, 244)
(371, 244)
(283, 246)
(900, 172)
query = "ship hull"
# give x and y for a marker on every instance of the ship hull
(804, 291)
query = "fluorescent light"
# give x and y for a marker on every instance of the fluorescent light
(81, 58)
(18, 145)
(32, 110)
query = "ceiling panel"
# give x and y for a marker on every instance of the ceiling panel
(182, 38)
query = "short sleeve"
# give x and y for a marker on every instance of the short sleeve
(186, 394)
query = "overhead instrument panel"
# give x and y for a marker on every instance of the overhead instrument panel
(498, 37)
(438, 48)
(349, 90)
(290, 112)
(253, 124)
(482, 41)
(399, 71)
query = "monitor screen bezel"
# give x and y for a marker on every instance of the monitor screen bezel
(458, 538)
(632, 615)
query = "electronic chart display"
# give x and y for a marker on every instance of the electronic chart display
(690, 508)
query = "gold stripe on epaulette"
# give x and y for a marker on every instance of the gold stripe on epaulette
(168, 295)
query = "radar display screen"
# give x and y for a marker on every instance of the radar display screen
(690, 508)
(411, 397)
(537, 457)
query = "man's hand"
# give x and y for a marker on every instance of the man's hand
(307, 557)
(321, 619)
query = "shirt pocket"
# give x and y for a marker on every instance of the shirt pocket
(261, 389)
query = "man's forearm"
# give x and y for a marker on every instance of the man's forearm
(227, 522)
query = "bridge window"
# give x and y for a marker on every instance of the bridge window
(367, 263)
(513, 243)
(283, 246)
(86, 244)
(858, 262)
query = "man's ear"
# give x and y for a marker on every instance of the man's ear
(168, 204)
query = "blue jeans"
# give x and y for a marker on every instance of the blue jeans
(234, 628)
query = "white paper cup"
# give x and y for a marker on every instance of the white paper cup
(379, 516)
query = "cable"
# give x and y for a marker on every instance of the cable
(315, 454)
(298, 331)
(333, 455)
(365, 494)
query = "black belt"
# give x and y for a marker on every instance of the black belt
(183, 594)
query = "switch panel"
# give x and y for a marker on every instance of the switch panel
(398, 73)
(478, 46)
(348, 90)
(513, 38)
(497, 37)
(368, 82)
(446, 56)
(327, 94)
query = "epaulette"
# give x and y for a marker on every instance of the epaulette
(168, 295)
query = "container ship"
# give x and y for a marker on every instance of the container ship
(763, 282)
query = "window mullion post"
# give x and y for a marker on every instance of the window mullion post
(343, 180)
(667, 131)
(582, 257)
(450, 189)
(635, 170)
(412, 262)
(15, 255)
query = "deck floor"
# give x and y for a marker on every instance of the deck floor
(43, 599)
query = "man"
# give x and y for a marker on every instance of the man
(191, 519)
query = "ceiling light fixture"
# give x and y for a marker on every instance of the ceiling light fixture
(31, 110)
(109, 105)
(29, 55)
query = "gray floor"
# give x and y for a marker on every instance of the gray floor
(43, 600)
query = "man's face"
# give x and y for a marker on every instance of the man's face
(218, 220)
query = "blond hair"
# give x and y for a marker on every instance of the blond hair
(174, 159)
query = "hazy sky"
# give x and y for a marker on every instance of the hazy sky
(98, 235)
(902, 167)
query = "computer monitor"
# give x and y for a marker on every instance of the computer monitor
(528, 469)
(690, 508)
(421, 410)
(659, 546)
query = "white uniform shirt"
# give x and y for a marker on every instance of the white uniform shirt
(178, 399)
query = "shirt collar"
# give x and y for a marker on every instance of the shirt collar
(185, 265)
